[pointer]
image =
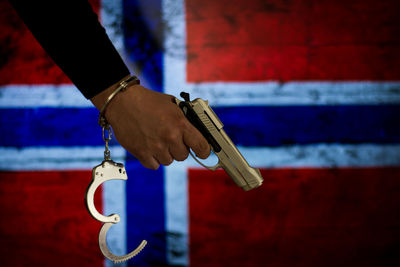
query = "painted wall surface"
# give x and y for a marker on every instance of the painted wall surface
(308, 90)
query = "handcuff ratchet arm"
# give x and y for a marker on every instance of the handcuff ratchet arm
(107, 170)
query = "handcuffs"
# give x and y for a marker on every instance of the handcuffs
(106, 171)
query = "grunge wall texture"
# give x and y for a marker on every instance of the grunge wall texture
(308, 90)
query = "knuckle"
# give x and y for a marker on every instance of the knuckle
(182, 122)
(173, 136)
(157, 147)
(183, 125)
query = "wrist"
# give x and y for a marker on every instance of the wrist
(104, 99)
(100, 99)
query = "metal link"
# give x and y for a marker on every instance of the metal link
(107, 153)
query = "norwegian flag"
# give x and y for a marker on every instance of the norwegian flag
(308, 90)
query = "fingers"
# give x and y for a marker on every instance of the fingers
(179, 151)
(196, 141)
(164, 158)
(149, 163)
(154, 129)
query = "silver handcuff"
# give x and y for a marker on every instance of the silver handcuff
(106, 171)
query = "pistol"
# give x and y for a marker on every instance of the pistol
(200, 114)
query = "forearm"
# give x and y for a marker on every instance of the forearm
(71, 34)
(147, 123)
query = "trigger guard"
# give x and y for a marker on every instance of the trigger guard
(111, 256)
(212, 168)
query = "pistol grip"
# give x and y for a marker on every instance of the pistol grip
(194, 119)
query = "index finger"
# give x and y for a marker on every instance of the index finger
(196, 141)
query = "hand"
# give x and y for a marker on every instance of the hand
(151, 126)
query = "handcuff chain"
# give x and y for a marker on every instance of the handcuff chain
(107, 153)
(131, 80)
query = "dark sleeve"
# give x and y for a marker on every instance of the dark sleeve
(71, 34)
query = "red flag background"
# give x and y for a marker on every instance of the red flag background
(308, 90)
